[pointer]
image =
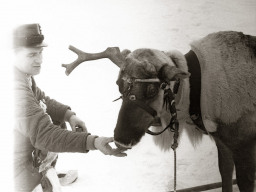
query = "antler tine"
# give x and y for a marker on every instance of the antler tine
(112, 53)
(70, 67)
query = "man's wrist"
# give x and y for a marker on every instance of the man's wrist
(68, 114)
(90, 142)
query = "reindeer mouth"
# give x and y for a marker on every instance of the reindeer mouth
(123, 146)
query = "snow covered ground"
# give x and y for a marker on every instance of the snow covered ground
(90, 89)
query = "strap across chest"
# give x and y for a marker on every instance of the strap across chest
(195, 90)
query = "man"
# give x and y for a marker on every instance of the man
(38, 119)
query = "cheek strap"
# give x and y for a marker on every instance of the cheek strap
(144, 106)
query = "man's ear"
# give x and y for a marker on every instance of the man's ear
(171, 73)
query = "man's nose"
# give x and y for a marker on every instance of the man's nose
(39, 59)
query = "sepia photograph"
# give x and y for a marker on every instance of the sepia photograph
(128, 96)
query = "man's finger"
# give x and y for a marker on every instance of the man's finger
(120, 155)
(119, 152)
(79, 129)
(109, 139)
(84, 129)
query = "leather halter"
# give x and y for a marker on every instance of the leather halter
(169, 101)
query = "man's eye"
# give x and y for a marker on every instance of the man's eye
(31, 55)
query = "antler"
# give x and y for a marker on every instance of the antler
(112, 53)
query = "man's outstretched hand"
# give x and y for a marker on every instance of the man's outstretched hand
(102, 144)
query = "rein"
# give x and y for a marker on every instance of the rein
(169, 102)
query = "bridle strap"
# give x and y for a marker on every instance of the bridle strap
(137, 102)
(144, 106)
(169, 101)
(154, 80)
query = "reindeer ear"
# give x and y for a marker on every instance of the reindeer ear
(178, 58)
(171, 73)
(125, 52)
(179, 71)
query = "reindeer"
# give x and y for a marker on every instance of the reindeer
(216, 91)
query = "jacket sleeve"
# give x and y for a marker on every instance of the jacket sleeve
(34, 123)
(55, 109)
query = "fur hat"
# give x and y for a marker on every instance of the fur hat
(28, 35)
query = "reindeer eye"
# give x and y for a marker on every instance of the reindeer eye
(151, 90)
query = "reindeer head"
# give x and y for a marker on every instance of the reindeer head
(142, 72)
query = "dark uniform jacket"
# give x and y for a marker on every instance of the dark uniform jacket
(34, 129)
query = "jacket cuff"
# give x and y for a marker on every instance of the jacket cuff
(68, 114)
(90, 142)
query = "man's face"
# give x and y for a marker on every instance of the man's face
(29, 60)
